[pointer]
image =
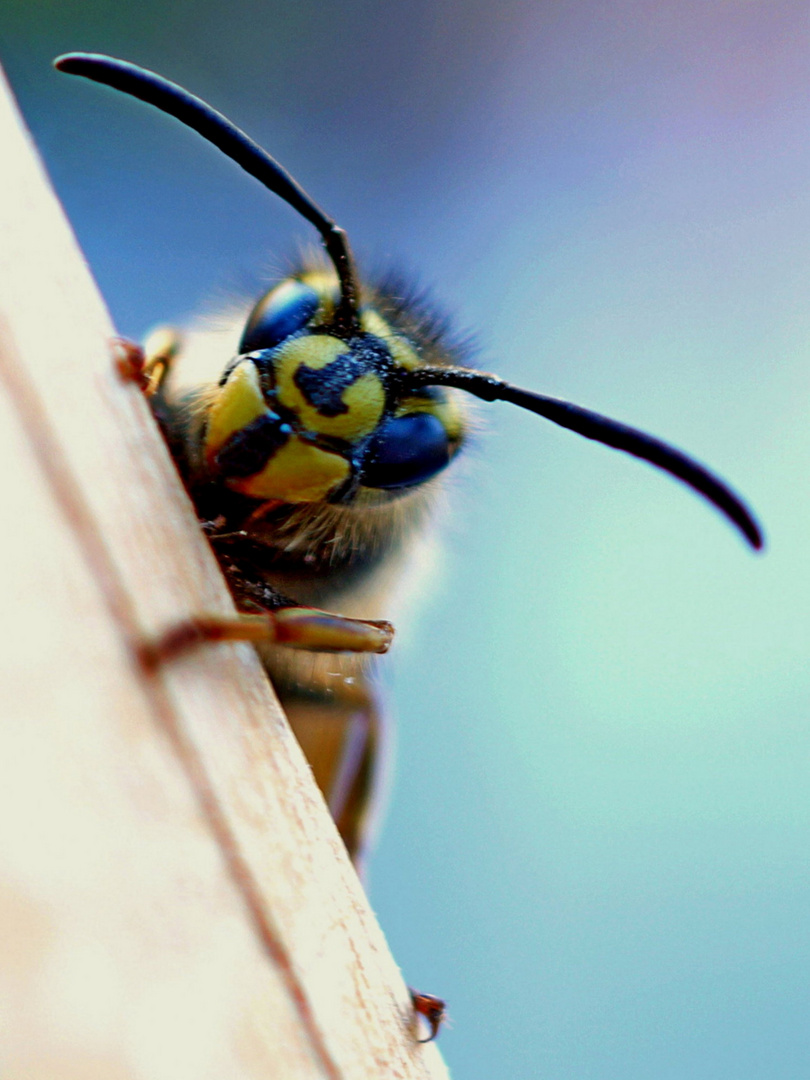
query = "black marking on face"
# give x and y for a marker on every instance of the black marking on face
(248, 450)
(323, 388)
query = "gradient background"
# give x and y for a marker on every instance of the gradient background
(597, 844)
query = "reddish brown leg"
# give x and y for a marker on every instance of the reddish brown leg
(130, 362)
(147, 367)
(434, 1011)
(295, 627)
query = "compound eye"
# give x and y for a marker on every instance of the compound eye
(283, 311)
(407, 450)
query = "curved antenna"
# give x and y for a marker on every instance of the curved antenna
(602, 429)
(217, 129)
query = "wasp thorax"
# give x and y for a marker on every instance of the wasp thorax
(308, 416)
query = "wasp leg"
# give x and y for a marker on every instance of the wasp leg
(322, 631)
(130, 361)
(147, 365)
(433, 1009)
(295, 627)
(338, 725)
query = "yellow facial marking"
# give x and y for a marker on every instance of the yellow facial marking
(404, 356)
(364, 398)
(322, 281)
(238, 403)
(297, 472)
(326, 286)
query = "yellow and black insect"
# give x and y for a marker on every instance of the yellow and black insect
(312, 455)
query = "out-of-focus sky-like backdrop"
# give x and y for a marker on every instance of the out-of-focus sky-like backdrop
(597, 841)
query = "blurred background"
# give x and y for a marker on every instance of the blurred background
(596, 846)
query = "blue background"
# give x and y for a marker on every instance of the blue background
(597, 841)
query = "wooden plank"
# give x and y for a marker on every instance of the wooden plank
(123, 941)
(174, 892)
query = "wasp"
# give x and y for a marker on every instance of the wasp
(313, 453)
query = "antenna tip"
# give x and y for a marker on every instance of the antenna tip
(82, 63)
(66, 62)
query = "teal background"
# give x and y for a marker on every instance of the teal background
(597, 841)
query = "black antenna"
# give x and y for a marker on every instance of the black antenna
(602, 429)
(217, 129)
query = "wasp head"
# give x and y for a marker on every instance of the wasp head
(305, 415)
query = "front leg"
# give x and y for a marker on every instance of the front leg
(294, 626)
(267, 615)
(148, 365)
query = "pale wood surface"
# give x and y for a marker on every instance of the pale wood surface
(174, 899)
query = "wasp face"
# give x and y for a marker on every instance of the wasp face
(302, 415)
